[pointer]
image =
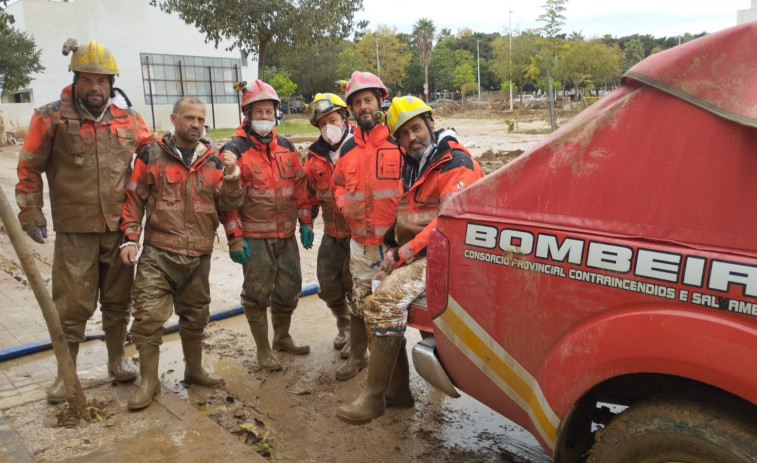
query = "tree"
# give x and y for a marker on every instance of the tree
(19, 59)
(393, 56)
(634, 50)
(587, 63)
(423, 37)
(553, 19)
(252, 26)
(525, 47)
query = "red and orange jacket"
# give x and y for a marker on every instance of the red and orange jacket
(87, 163)
(320, 172)
(448, 169)
(274, 183)
(183, 203)
(368, 183)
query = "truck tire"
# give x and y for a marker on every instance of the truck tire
(676, 429)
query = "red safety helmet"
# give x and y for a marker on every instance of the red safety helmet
(259, 91)
(362, 80)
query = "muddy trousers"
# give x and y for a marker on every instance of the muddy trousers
(272, 276)
(386, 309)
(87, 269)
(335, 283)
(166, 282)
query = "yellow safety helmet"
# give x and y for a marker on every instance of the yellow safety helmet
(325, 103)
(403, 109)
(90, 57)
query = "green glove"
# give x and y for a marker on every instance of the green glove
(239, 251)
(306, 236)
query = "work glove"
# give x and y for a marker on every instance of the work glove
(306, 236)
(239, 251)
(36, 233)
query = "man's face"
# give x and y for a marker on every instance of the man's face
(263, 111)
(332, 118)
(414, 136)
(93, 90)
(365, 105)
(189, 123)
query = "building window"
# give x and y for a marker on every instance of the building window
(166, 78)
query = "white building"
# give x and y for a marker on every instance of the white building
(743, 16)
(180, 62)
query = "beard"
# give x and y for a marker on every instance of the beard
(366, 124)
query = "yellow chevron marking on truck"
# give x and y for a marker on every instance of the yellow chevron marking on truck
(500, 367)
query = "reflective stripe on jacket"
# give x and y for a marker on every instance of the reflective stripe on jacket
(87, 164)
(368, 183)
(320, 172)
(274, 183)
(449, 169)
(183, 203)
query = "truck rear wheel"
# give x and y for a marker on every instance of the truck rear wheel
(679, 430)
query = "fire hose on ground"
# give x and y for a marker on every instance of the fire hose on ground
(40, 346)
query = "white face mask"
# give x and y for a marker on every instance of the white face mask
(262, 128)
(332, 133)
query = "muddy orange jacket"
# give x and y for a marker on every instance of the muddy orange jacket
(87, 164)
(368, 184)
(320, 172)
(448, 169)
(274, 183)
(183, 203)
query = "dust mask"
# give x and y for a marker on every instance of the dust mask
(262, 128)
(332, 133)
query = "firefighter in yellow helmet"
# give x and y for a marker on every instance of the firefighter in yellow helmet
(84, 143)
(329, 114)
(436, 167)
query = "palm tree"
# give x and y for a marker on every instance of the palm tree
(423, 37)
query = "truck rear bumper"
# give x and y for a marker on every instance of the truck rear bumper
(427, 365)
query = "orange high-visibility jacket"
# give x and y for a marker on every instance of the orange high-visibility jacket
(368, 183)
(87, 164)
(448, 169)
(274, 183)
(183, 203)
(320, 172)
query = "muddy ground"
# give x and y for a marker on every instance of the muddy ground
(288, 415)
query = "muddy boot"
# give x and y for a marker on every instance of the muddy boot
(344, 352)
(282, 340)
(259, 327)
(398, 393)
(57, 392)
(149, 384)
(358, 358)
(193, 371)
(342, 315)
(118, 366)
(370, 403)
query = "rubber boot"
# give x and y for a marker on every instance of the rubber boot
(342, 315)
(358, 358)
(398, 394)
(282, 340)
(259, 327)
(193, 371)
(344, 352)
(371, 403)
(149, 384)
(118, 366)
(57, 392)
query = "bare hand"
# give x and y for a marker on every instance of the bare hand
(129, 255)
(229, 162)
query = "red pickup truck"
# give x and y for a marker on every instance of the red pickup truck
(601, 289)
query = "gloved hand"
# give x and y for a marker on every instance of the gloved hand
(306, 236)
(239, 251)
(36, 233)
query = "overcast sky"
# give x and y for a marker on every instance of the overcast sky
(593, 18)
